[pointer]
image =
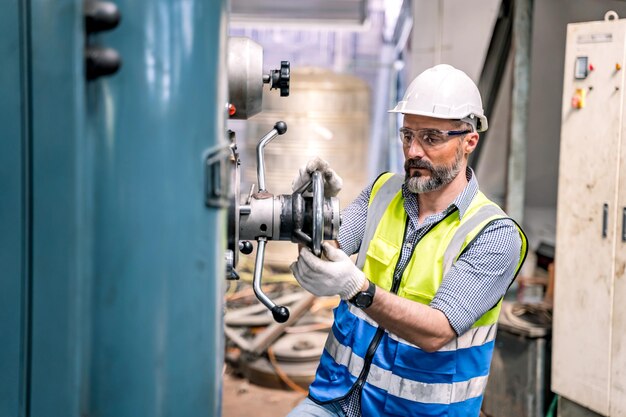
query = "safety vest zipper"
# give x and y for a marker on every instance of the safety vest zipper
(395, 285)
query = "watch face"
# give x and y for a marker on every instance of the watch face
(363, 300)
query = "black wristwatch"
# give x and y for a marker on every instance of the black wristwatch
(364, 299)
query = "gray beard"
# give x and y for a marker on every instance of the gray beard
(439, 175)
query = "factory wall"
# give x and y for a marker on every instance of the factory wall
(462, 40)
(550, 19)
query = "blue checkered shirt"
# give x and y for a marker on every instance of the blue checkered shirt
(474, 283)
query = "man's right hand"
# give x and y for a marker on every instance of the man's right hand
(332, 181)
(337, 275)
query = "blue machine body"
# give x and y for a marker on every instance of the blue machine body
(111, 264)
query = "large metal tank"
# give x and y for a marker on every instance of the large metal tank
(327, 115)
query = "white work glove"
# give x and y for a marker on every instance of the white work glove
(336, 276)
(332, 181)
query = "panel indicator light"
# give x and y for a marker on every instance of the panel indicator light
(579, 98)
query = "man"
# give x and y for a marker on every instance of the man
(414, 332)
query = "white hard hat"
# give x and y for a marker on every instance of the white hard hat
(444, 92)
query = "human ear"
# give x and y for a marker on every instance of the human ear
(470, 142)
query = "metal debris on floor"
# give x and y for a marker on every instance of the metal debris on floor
(271, 354)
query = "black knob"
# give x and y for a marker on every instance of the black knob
(281, 127)
(280, 313)
(100, 16)
(279, 78)
(100, 61)
(245, 247)
(283, 81)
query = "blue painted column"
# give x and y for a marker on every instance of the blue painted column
(156, 336)
(111, 265)
(59, 213)
(14, 209)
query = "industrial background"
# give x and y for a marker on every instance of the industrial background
(134, 135)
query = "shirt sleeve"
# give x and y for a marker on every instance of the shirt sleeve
(481, 275)
(353, 218)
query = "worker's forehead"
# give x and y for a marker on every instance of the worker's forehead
(412, 120)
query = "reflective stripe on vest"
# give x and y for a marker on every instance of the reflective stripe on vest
(455, 245)
(383, 196)
(437, 393)
(475, 336)
(391, 387)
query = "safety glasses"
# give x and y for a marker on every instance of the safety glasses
(428, 138)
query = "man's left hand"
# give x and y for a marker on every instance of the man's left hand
(336, 276)
(332, 181)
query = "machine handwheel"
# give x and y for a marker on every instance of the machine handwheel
(318, 213)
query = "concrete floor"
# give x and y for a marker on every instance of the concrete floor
(243, 399)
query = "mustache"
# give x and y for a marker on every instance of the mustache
(417, 163)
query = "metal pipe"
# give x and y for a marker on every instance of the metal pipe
(540, 382)
(439, 37)
(395, 36)
(493, 69)
(516, 167)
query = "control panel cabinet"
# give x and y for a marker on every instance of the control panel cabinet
(589, 339)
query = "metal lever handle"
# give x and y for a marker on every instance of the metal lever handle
(279, 129)
(280, 313)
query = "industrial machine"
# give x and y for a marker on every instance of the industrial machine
(305, 217)
(118, 181)
(589, 328)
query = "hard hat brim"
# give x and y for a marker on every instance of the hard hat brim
(482, 123)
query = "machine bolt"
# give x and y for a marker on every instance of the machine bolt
(101, 16)
(101, 61)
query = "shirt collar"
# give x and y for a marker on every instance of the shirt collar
(463, 200)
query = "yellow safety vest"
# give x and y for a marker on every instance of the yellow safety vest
(420, 283)
(395, 377)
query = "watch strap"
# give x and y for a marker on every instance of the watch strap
(367, 296)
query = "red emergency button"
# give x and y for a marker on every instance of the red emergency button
(231, 109)
(591, 67)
